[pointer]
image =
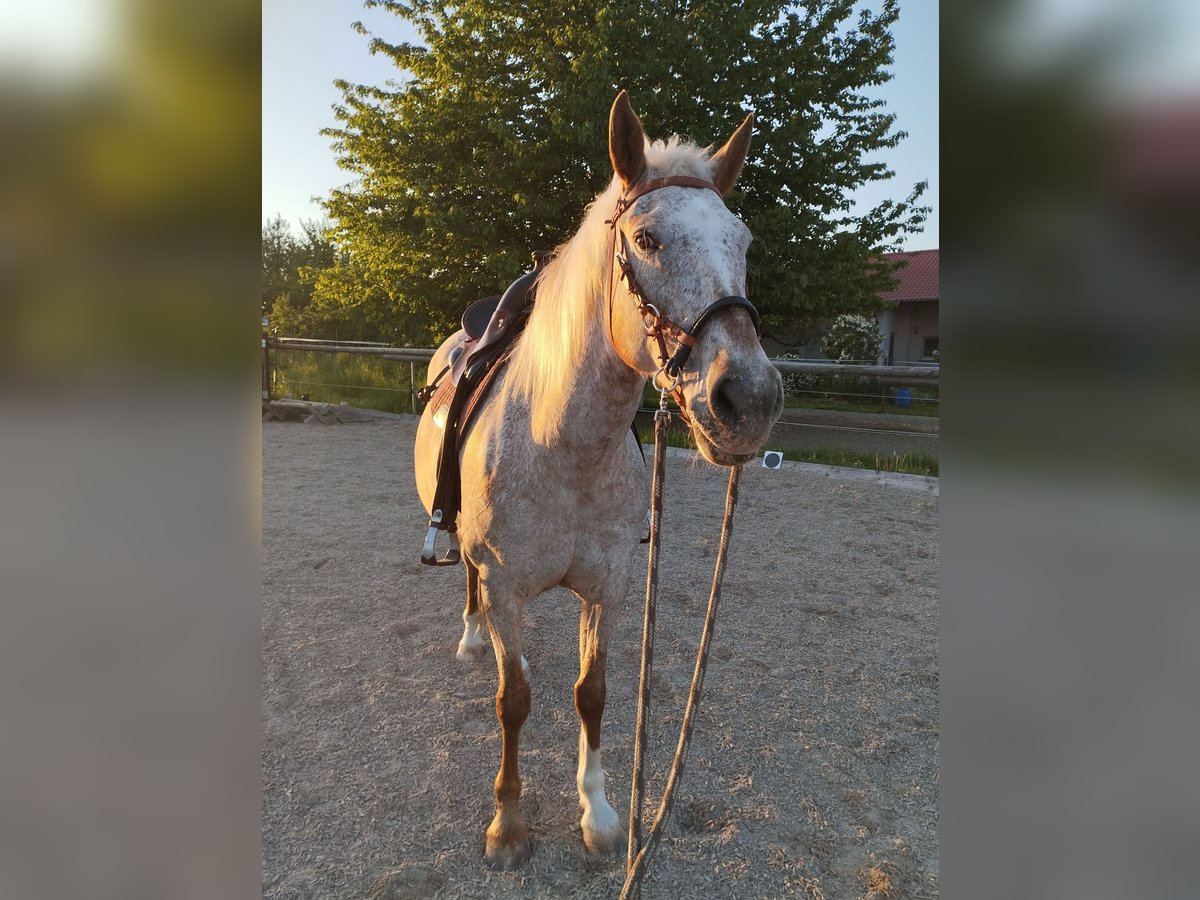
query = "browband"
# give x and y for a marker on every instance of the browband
(669, 181)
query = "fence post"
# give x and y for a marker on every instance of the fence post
(266, 362)
(412, 387)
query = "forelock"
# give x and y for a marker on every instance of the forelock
(677, 156)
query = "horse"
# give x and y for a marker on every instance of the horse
(554, 483)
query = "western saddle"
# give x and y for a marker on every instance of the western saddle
(492, 325)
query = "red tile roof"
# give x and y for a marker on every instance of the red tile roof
(1158, 148)
(918, 279)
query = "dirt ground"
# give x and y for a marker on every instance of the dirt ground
(814, 767)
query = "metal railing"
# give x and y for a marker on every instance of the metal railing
(923, 373)
(831, 406)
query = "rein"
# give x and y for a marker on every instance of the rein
(671, 364)
(638, 858)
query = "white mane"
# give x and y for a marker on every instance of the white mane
(569, 312)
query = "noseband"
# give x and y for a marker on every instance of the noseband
(659, 326)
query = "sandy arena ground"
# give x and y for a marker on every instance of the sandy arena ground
(814, 767)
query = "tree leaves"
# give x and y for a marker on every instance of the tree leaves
(494, 139)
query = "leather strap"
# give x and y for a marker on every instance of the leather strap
(685, 338)
(688, 338)
(654, 184)
(480, 391)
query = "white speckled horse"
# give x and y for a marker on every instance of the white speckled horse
(554, 486)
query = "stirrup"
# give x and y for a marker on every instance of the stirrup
(429, 554)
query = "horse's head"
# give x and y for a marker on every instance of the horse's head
(686, 252)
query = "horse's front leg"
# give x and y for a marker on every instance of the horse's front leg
(508, 836)
(601, 826)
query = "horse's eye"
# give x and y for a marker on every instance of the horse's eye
(645, 240)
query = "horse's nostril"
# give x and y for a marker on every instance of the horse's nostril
(723, 401)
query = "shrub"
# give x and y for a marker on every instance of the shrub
(852, 338)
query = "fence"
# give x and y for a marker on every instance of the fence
(882, 417)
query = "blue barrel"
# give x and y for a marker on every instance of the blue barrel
(904, 397)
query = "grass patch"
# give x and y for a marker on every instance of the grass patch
(907, 463)
(363, 381)
(920, 406)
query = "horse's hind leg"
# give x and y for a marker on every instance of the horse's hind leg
(473, 645)
(601, 827)
(508, 835)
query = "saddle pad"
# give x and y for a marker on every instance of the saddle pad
(443, 395)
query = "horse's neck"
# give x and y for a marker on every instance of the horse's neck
(603, 398)
(593, 410)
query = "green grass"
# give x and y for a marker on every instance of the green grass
(364, 381)
(908, 463)
(920, 406)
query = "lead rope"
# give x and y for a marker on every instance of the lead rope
(638, 858)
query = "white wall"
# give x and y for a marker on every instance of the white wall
(911, 322)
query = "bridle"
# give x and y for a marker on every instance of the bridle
(658, 325)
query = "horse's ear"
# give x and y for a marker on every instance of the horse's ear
(626, 141)
(727, 162)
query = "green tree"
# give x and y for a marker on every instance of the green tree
(289, 267)
(496, 139)
(278, 261)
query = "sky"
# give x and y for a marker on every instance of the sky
(307, 44)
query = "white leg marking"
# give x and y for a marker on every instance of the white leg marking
(472, 645)
(524, 667)
(601, 826)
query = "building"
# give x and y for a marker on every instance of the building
(909, 324)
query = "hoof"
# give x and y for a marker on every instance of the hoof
(510, 856)
(604, 839)
(470, 653)
(605, 844)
